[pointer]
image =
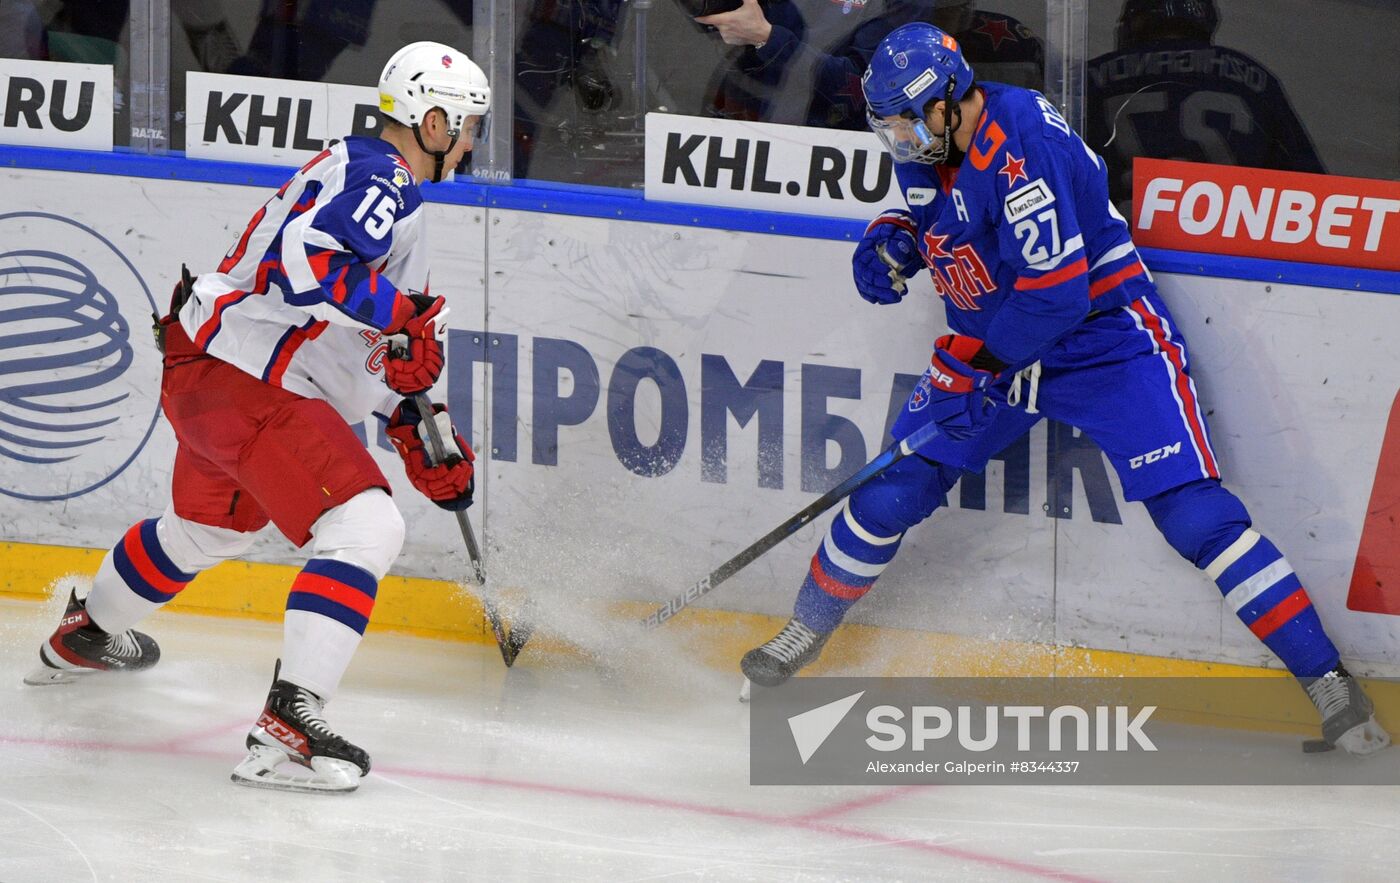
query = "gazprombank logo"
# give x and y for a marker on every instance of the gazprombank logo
(78, 396)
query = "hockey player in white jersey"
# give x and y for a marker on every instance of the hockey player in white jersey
(268, 360)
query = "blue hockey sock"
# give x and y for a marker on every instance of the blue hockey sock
(1265, 593)
(844, 568)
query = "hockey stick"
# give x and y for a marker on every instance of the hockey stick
(508, 642)
(890, 456)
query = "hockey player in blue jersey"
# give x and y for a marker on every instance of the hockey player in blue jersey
(1053, 314)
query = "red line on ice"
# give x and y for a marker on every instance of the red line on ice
(836, 809)
(798, 822)
(802, 823)
(206, 733)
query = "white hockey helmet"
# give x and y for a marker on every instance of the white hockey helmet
(425, 75)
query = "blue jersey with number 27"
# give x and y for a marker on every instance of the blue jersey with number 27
(1021, 238)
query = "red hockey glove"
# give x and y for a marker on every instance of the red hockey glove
(449, 484)
(415, 353)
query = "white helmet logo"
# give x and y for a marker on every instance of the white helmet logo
(425, 75)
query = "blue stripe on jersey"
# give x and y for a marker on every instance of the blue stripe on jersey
(282, 344)
(277, 349)
(219, 319)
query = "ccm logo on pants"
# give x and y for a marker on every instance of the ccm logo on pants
(1154, 456)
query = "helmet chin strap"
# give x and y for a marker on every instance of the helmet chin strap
(439, 156)
(952, 121)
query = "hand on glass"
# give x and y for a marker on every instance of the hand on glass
(745, 26)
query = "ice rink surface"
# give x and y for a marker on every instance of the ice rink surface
(563, 769)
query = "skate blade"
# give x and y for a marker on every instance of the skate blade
(264, 768)
(746, 691)
(43, 676)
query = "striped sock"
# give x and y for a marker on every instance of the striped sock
(327, 611)
(1265, 593)
(134, 579)
(844, 568)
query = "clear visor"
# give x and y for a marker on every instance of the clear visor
(480, 128)
(908, 140)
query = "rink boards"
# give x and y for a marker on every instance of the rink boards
(648, 399)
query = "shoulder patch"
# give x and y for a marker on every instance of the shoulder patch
(919, 195)
(1035, 195)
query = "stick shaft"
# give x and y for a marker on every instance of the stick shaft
(478, 575)
(425, 410)
(885, 460)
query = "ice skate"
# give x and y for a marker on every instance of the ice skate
(791, 649)
(292, 749)
(1348, 717)
(78, 647)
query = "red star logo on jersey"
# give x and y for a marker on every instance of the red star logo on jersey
(934, 245)
(995, 29)
(1014, 168)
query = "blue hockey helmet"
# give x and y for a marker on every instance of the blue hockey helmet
(1142, 21)
(915, 65)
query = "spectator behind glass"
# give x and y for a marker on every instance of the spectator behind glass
(1168, 93)
(569, 44)
(300, 40)
(803, 59)
(561, 44)
(90, 30)
(21, 31)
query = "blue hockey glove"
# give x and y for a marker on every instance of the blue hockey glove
(952, 393)
(887, 255)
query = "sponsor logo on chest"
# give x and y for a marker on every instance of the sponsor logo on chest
(959, 272)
